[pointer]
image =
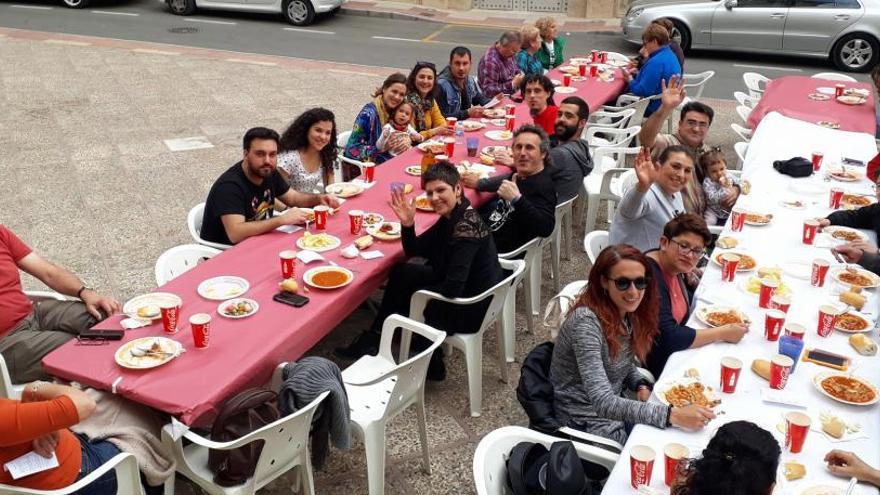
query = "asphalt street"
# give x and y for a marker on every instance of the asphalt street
(349, 38)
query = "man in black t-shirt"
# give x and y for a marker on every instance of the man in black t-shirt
(241, 202)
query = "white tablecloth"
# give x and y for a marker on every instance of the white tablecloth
(777, 138)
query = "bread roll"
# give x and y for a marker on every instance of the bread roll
(855, 300)
(761, 367)
(726, 242)
(289, 285)
(407, 188)
(770, 271)
(794, 470)
(834, 427)
(863, 344)
(363, 242)
(855, 288)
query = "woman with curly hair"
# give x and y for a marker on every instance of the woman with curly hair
(421, 91)
(307, 151)
(613, 322)
(741, 459)
(552, 45)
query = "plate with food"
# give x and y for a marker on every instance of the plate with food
(223, 287)
(495, 122)
(238, 308)
(855, 276)
(415, 170)
(617, 62)
(385, 231)
(844, 234)
(752, 285)
(857, 92)
(579, 78)
(717, 315)
(758, 219)
(494, 113)
(328, 277)
(318, 242)
(793, 204)
(853, 322)
(423, 203)
(843, 175)
(436, 146)
(146, 306)
(855, 201)
(499, 135)
(147, 352)
(570, 69)
(819, 97)
(492, 150)
(851, 100)
(826, 90)
(846, 388)
(829, 124)
(575, 61)
(344, 189)
(566, 90)
(686, 391)
(372, 219)
(746, 262)
(472, 125)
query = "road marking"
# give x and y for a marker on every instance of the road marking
(67, 42)
(395, 39)
(436, 33)
(154, 52)
(208, 21)
(254, 62)
(31, 7)
(107, 12)
(769, 67)
(315, 31)
(343, 71)
(188, 143)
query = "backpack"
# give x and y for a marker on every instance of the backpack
(794, 167)
(533, 470)
(244, 413)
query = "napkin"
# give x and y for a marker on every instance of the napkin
(371, 255)
(782, 397)
(307, 256)
(131, 323)
(289, 229)
(364, 184)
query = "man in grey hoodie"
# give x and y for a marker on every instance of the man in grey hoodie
(570, 154)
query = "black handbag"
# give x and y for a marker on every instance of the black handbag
(533, 470)
(794, 167)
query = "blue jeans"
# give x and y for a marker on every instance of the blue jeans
(94, 455)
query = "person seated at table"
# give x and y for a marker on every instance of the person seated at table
(659, 66)
(497, 70)
(537, 90)
(552, 46)
(526, 57)
(460, 96)
(673, 43)
(307, 151)
(654, 199)
(375, 114)
(693, 128)
(867, 217)
(718, 185)
(241, 202)
(612, 322)
(849, 465)
(29, 331)
(741, 459)
(526, 203)
(400, 123)
(461, 262)
(682, 245)
(421, 87)
(569, 153)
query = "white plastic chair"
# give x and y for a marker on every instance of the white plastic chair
(45, 295)
(617, 118)
(594, 243)
(341, 142)
(741, 149)
(610, 136)
(490, 458)
(128, 480)
(7, 389)
(744, 112)
(694, 84)
(194, 224)
(756, 83)
(180, 259)
(597, 185)
(379, 388)
(285, 446)
(744, 133)
(471, 344)
(745, 100)
(560, 239)
(834, 76)
(634, 103)
(530, 252)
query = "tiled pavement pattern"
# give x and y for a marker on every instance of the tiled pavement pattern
(88, 182)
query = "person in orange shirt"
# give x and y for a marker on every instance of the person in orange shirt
(39, 422)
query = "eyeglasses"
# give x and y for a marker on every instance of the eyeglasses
(623, 283)
(685, 248)
(697, 124)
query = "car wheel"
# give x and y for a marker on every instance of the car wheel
(76, 4)
(682, 35)
(856, 52)
(182, 7)
(299, 12)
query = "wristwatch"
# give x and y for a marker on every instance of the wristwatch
(80, 291)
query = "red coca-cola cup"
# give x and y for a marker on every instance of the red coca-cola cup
(817, 160)
(729, 262)
(780, 368)
(768, 288)
(594, 55)
(451, 121)
(839, 88)
(288, 263)
(170, 316)
(594, 70)
(737, 219)
(828, 315)
(641, 463)
(321, 214)
(820, 270)
(369, 171)
(780, 302)
(835, 197)
(774, 319)
(449, 142)
(566, 79)
(510, 109)
(510, 122)
(356, 221)
(201, 329)
(811, 228)
(795, 330)
(797, 424)
(730, 368)
(582, 69)
(676, 456)
(603, 57)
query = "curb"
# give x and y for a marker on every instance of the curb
(387, 15)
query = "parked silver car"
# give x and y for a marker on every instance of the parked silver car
(847, 31)
(297, 12)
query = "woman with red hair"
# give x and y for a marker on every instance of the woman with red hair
(612, 323)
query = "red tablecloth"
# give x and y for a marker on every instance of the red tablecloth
(788, 96)
(243, 353)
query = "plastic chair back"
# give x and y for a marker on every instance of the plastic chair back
(744, 133)
(180, 259)
(594, 243)
(6, 389)
(744, 112)
(697, 81)
(128, 480)
(617, 118)
(617, 138)
(741, 149)
(756, 83)
(194, 224)
(745, 100)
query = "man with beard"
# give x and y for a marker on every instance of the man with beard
(459, 95)
(537, 90)
(569, 153)
(241, 201)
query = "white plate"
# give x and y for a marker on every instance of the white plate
(372, 218)
(425, 203)
(494, 113)
(848, 176)
(830, 230)
(703, 312)
(797, 269)
(868, 327)
(126, 359)
(223, 287)
(851, 100)
(309, 275)
(743, 285)
(490, 150)
(818, 97)
(825, 90)
(579, 61)
(739, 267)
(415, 170)
(374, 231)
(759, 224)
(617, 62)
(156, 299)
(823, 490)
(556, 82)
(661, 389)
(875, 280)
(344, 189)
(565, 90)
(334, 243)
(498, 135)
(819, 377)
(255, 306)
(472, 125)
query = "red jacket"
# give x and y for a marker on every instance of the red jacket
(873, 167)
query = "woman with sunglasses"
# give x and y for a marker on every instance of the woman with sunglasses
(613, 322)
(682, 245)
(421, 91)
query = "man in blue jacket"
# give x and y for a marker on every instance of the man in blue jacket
(660, 65)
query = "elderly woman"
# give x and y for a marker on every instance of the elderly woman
(682, 245)
(527, 58)
(422, 93)
(308, 151)
(375, 114)
(552, 45)
(613, 322)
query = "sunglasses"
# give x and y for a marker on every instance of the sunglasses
(422, 64)
(623, 283)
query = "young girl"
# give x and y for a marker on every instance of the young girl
(717, 185)
(401, 122)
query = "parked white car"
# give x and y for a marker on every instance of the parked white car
(297, 12)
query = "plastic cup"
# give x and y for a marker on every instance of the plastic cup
(797, 424)
(780, 302)
(321, 214)
(817, 160)
(288, 262)
(795, 330)
(594, 55)
(730, 368)
(170, 316)
(510, 122)
(397, 187)
(839, 89)
(201, 329)
(356, 221)
(780, 368)
(729, 262)
(811, 227)
(369, 171)
(451, 121)
(641, 464)
(594, 70)
(820, 270)
(450, 145)
(603, 57)
(582, 70)
(774, 319)
(791, 347)
(768, 288)
(737, 219)
(473, 146)
(835, 197)
(675, 455)
(828, 315)
(566, 79)
(510, 109)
